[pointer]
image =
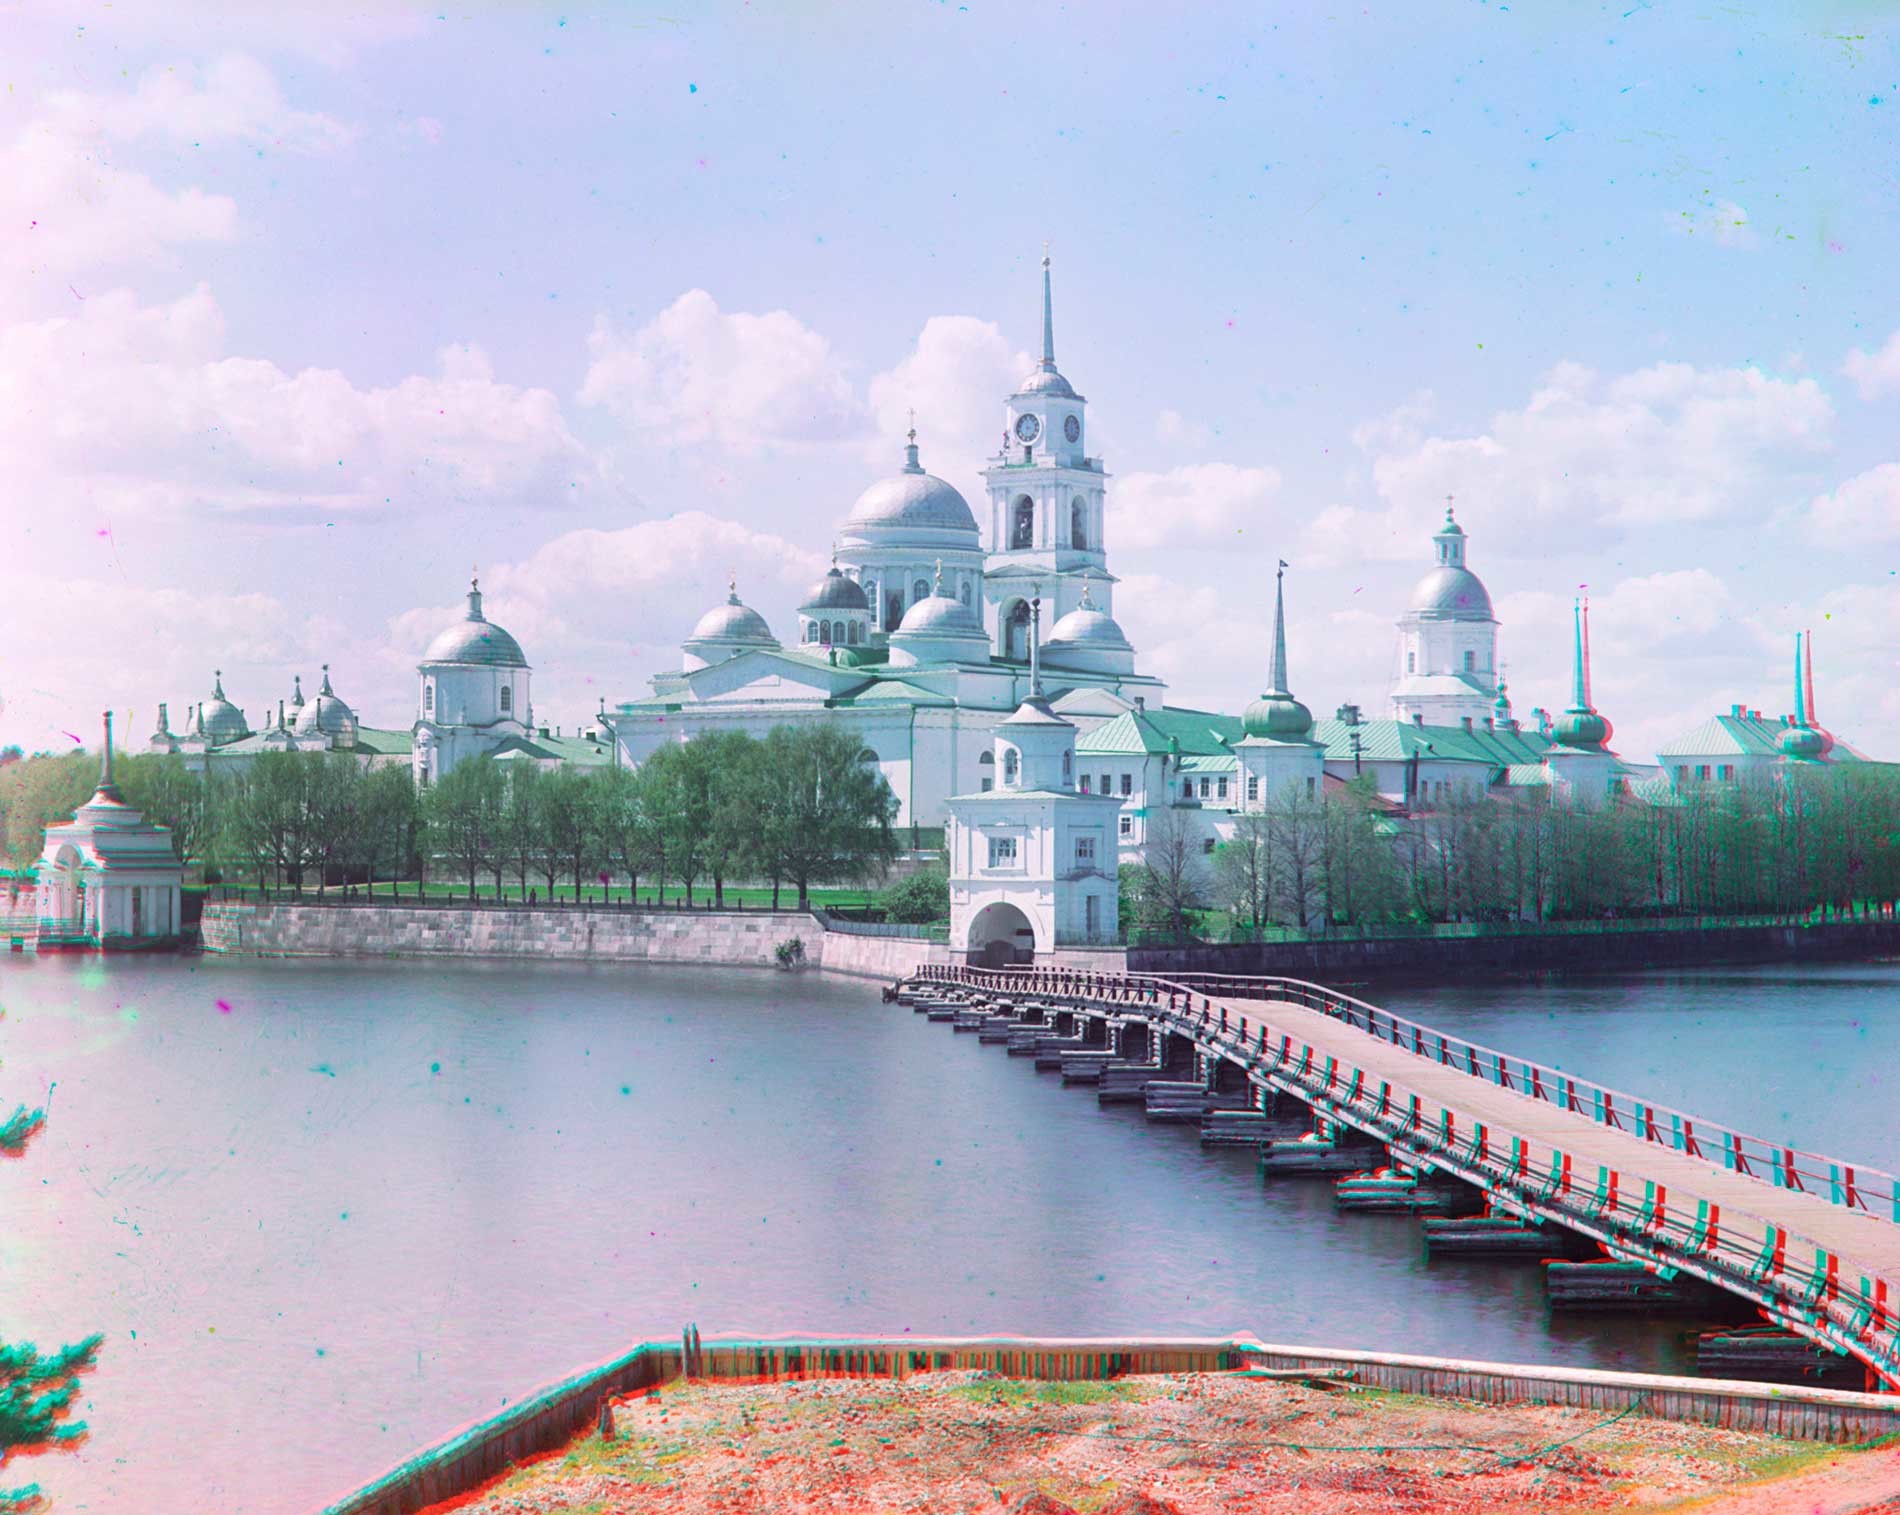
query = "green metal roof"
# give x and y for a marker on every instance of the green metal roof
(1736, 735)
(1193, 733)
(1210, 764)
(1394, 741)
(573, 750)
(384, 743)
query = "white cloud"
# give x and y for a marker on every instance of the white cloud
(235, 99)
(1195, 505)
(1176, 429)
(141, 408)
(696, 374)
(1875, 373)
(1865, 509)
(597, 611)
(1722, 222)
(1664, 444)
(954, 377)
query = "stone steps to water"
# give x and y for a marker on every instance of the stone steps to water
(1609, 1285)
(1248, 1128)
(1770, 1355)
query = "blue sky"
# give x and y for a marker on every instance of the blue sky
(302, 314)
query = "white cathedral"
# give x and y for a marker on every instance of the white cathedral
(919, 636)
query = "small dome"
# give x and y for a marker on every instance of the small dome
(1277, 715)
(326, 714)
(733, 622)
(911, 500)
(940, 615)
(1087, 624)
(1802, 742)
(218, 719)
(1046, 381)
(1451, 594)
(475, 640)
(1581, 728)
(836, 592)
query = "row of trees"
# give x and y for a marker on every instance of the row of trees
(798, 808)
(1815, 837)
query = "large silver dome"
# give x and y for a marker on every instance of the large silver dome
(1451, 594)
(912, 500)
(476, 640)
(219, 720)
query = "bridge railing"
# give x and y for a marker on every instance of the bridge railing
(1803, 1284)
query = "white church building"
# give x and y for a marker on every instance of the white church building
(918, 638)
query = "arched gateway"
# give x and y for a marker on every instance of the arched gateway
(1001, 934)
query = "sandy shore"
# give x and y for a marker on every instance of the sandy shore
(1184, 1443)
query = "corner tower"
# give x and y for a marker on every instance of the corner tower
(1047, 499)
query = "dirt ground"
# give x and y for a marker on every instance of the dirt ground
(1178, 1444)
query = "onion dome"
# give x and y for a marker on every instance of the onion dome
(326, 714)
(910, 500)
(1580, 726)
(836, 592)
(1802, 742)
(1451, 591)
(474, 639)
(1501, 706)
(1276, 715)
(220, 721)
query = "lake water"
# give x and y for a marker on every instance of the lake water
(327, 1212)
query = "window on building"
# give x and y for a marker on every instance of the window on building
(870, 597)
(824, 633)
(1411, 662)
(1085, 783)
(988, 784)
(1471, 661)
(1220, 789)
(1084, 849)
(1022, 528)
(963, 593)
(988, 757)
(1009, 767)
(428, 698)
(1187, 789)
(857, 632)
(1309, 787)
(1002, 852)
(1727, 772)
(1204, 788)
(1128, 784)
(894, 612)
(1682, 772)
(1068, 767)
(1079, 526)
(1108, 783)
(507, 699)
(1253, 788)
(1128, 825)
(1702, 771)
(920, 591)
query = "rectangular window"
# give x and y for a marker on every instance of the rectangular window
(1203, 788)
(1128, 825)
(1128, 784)
(1253, 787)
(1728, 772)
(1682, 772)
(1309, 787)
(1471, 662)
(428, 697)
(1702, 771)
(988, 785)
(1108, 784)
(1220, 789)
(1085, 783)
(1002, 852)
(1084, 849)
(1411, 662)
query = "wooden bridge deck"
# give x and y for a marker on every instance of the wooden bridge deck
(1868, 1243)
(1814, 1241)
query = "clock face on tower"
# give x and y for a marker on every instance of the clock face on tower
(1072, 429)
(1028, 428)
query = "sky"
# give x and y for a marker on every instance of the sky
(308, 311)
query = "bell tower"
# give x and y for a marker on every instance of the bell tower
(1048, 500)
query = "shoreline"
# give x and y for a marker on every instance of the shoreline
(564, 1414)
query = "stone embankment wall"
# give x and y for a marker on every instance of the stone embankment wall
(1468, 956)
(743, 938)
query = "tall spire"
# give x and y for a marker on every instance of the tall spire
(1800, 703)
(1048, 317)
(1581, 727)
(107, 790)
(1807, 681)
(1579, 692)
(1276, 680)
